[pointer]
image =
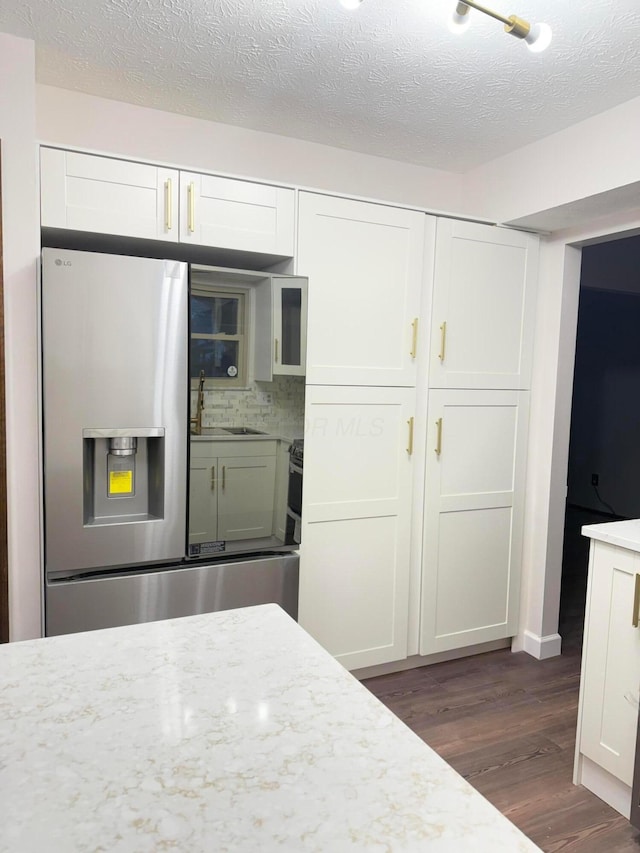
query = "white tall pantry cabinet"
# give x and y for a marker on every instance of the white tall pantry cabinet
(365, 264)
(479, 375)
(373, 283)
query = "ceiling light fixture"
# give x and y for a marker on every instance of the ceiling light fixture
(536, 36)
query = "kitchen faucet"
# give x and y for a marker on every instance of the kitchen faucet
(196, 422)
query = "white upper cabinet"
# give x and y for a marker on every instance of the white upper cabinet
(84, 192)
(281, 327)
(234, 214)
(483, 306)
(475, 470)
(365, 264)
(105, 195)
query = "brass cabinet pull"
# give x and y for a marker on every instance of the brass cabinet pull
(635, 621)
(439, 437)
(167, 204)
(443, 340)
(276, 356)
(224, 476)
(191, 197)
(213, 477)
(410, 446)
(414, 338)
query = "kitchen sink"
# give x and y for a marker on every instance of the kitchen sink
(243, 431)
(208, 431)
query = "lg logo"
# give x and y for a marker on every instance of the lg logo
(61, 263)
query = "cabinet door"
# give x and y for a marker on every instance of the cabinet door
(483, 306)
(246, 497)
(364, 263)
(473, 517)
(611, 664)
(203, 500)
(280, 341)
(234, 214)
(354, 573)
(85, 192)
(289, 326)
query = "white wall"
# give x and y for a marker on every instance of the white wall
(77, 120)
(21, 247)
(589, 158)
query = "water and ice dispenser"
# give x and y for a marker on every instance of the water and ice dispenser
(123, 475)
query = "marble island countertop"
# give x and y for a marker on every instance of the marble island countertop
(226, 731)
(624, 534)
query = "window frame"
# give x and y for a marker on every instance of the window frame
(240, 381)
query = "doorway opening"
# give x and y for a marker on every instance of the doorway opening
(603, 482)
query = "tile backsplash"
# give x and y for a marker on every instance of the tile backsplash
(283, 415)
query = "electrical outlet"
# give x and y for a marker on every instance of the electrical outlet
(264, 398)
(595, 479)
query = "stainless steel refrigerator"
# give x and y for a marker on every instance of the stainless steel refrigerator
(115, 423)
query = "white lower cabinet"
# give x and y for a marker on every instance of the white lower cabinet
(474, 500)
(355, 553)
(608, 712)
(231, 490)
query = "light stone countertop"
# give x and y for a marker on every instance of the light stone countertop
(625, 534)
(225, 731)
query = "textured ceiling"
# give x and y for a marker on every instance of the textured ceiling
(388, 79)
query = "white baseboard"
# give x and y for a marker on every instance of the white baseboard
(536, 646)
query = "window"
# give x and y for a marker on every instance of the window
(218, 340)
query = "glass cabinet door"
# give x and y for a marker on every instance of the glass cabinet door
(289, 326)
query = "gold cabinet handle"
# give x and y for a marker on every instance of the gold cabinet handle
(167, 204)
(410, 445)
(276, 347)
(224, 476)
(443, 341)
(191, 198)
(438, 436)
(213, 477)
(414, 338)
(635, 620)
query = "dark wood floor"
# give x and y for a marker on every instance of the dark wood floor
(507, 722)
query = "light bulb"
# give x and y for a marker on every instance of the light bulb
(350, 4)
(459, 20)
(538, 38)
